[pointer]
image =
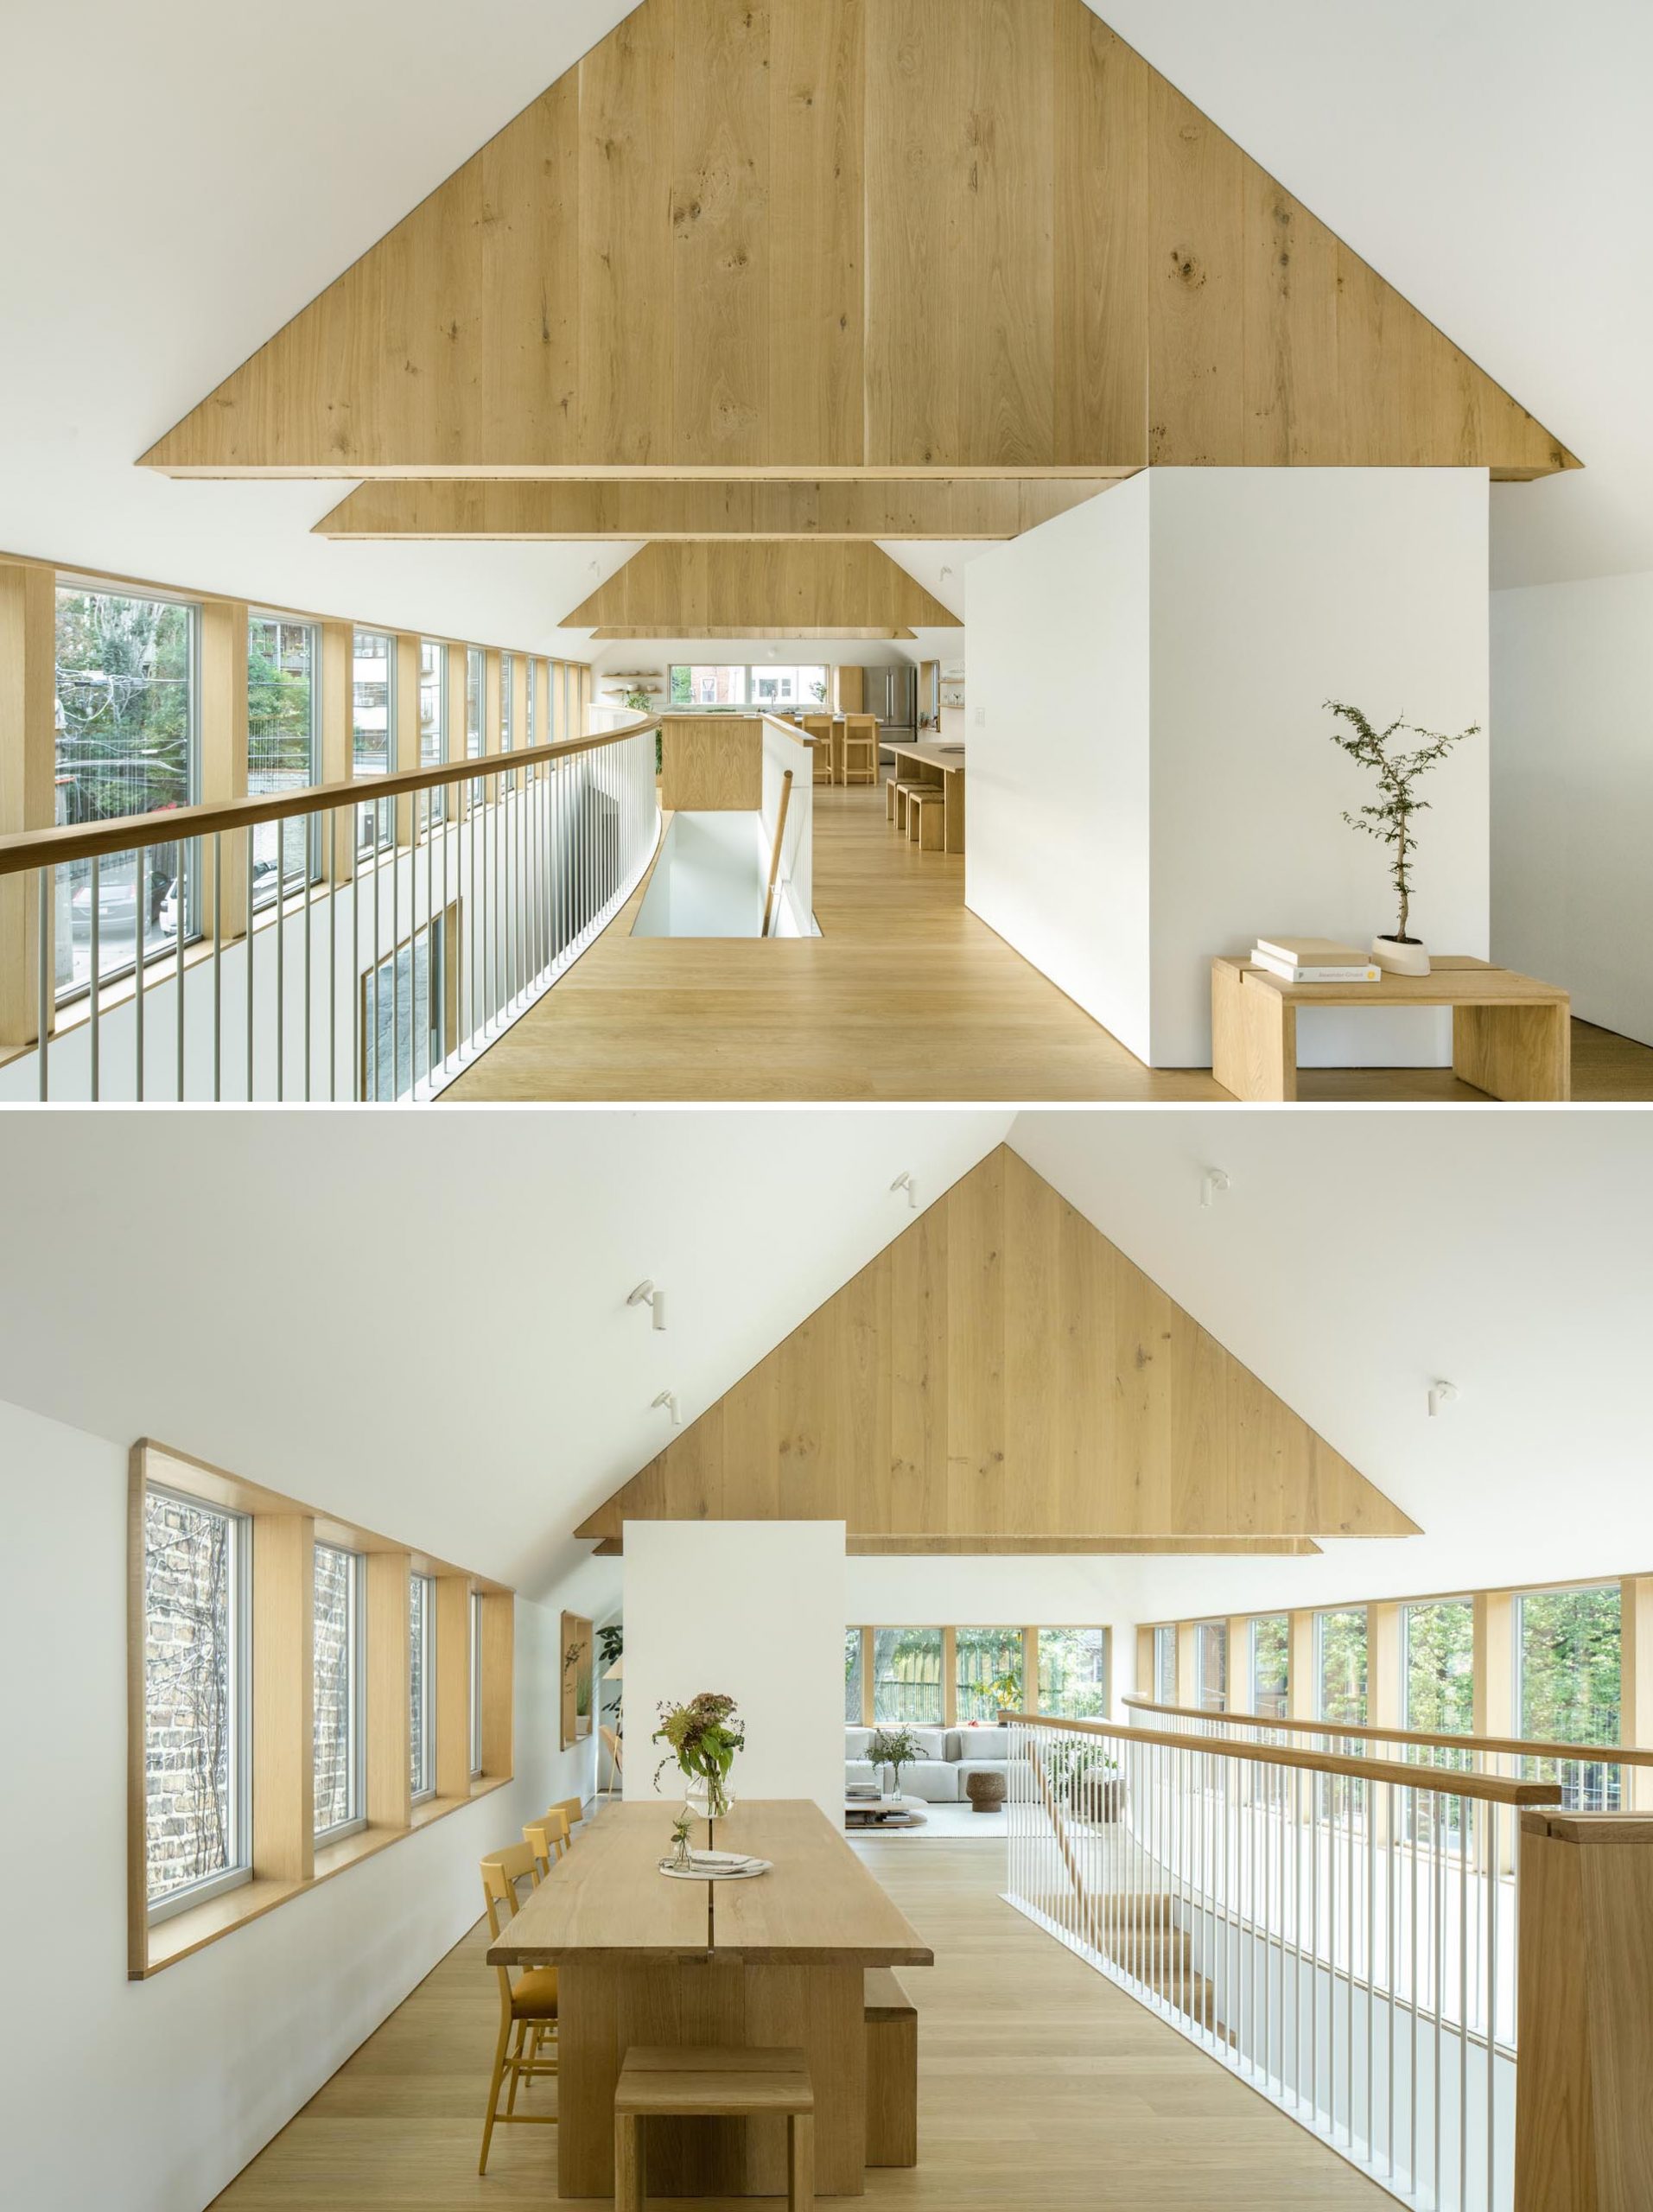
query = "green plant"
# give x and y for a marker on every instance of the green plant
(1391, 821)
(703, 1736)
(896, 1747)
(1068, 1763)
(1005, 1690)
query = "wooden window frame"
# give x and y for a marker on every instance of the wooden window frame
(579, 1639)
(869, 1630)
(285, 1859)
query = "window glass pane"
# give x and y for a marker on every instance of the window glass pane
(1271, 1645)
(987, 1671)
(813, 686)
(1073, 1672)
(433, 722)
(1211, 1655)
(1439, 1648)
(125, 712)
(281, 746)
(1568, 1642)
(906, 1675)
(372, 736)
(191, 1693)
(1341, 1639)
(708, 687)
(419, 1686)
(852, 1677)
(402, 1011)
(1165, 1666)
(335, 1675)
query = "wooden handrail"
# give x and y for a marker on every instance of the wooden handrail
(1491, 1788)
(87, 840)
(1525, 1747)
(774, 859)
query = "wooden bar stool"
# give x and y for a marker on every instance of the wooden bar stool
(860, 749)
(926, 814)
(896, 808)
(690, 2084)
(818, 728)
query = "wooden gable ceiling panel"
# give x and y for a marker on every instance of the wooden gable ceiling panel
(718, 585)
(859, 236)
(1002, 1375)
(880, 507)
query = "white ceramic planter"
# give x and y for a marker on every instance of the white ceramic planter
(1396, 959)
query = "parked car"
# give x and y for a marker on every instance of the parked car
(117, 907)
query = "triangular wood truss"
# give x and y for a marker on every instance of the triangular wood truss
(896, 237)
(1001, 1378)
(715, 585)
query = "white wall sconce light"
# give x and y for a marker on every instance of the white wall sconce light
(646, 1295)
(1441, 1395)
(904, 1182)
(1213, 1185)
(668, 1400)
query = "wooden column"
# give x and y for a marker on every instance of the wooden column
(1239, 1663)
(1385, 1678)
(388, 1663)
(867, 1641)
(404, 730)
(950, 1677)
(1636, 1680)
(1144, 1662)
(499, 1685)
(1187, 1664)
(1030, 1669)
(27, 786)
(452, 1685)
(522, 670)
(1299, 1671)
(224, 754)
(1584, 2120)
(335, 702)
(284, 1696)
(1495, 1663)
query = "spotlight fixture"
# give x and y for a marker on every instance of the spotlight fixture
(1441, 1395)
(646, 1295)
(1213, 1185)
(668, 1400)
(904, 1182)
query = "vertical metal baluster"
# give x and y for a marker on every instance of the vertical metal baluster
(310, 837)
(1492, 1819)
(183, 908)
(449, 838)
(97, 961)
(281, 965)
(1314, 1950)
(358, 998)
(218, 958)
(378, 864)
(431, 1015)
(1463, 2008)
(138, 1010)
(395, 947)
(252, 964)
(1415, 2007)
(1391, 1976)
(1438, 1959)
(44, 1008)
(333, 957)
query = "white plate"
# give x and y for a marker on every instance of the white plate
(743, 1873)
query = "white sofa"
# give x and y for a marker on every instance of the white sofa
(947, 1756)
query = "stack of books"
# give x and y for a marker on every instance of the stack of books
(1314, 960)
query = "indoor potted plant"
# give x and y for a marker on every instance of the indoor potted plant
(1089, 1778)
(703, 1736)
(894, 1747)
(1390, 820)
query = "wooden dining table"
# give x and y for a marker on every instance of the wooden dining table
(777, 1962)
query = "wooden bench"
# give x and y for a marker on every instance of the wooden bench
(712, 2083)
(896, 797)
(927, 817)
(892, 2071)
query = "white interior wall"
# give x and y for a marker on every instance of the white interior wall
(1573, 793)
(753, 1609)
(1152, 778)
(1275, 590)
(1057, 720)
(152, 2096)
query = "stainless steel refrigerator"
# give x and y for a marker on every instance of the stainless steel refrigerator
(892, 694)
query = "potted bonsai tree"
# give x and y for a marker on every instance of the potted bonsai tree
(894, 1747)
(1390, 820)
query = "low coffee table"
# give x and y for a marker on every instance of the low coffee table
(883, 1812)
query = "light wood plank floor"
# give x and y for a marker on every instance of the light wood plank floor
(1040, 2086)
(905, 996)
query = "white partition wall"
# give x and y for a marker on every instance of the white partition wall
(754, 1609)
(1152, 775)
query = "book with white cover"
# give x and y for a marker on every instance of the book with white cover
(1313, 952)
(1289, 974)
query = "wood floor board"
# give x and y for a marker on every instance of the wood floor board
(1039, 2084)
(905, 996)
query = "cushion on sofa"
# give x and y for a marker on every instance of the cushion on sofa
(977, 1743)
(856, 1741)
(934, 1780)
(933, 1743)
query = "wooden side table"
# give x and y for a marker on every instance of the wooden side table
(1511, 1036)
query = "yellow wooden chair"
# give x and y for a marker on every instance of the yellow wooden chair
(573, 1811)
(527, 2001)
(547, 1838)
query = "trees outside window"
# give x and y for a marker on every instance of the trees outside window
(337, 1671)
(1072, 1672)
(1165, 1666)
(907, 1676)
(1271, 1651)
(126, 744)
(853, 1678)
(987, 1671)
(421, 1756)
(1340, 1642)
(194, 1684)
(1568, 1643)
(1210, 1659)
(1437, 1641)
